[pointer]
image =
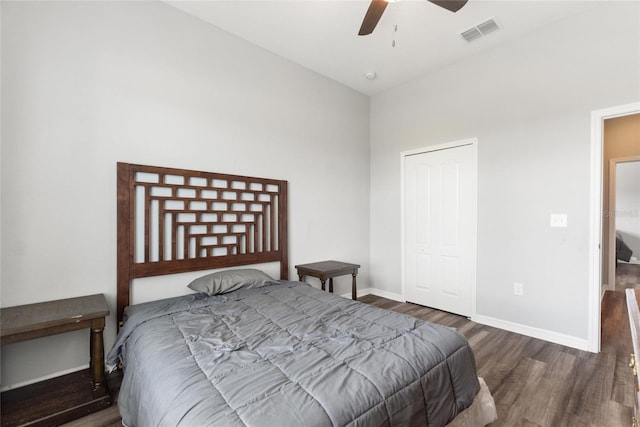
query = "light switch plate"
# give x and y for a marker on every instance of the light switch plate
(558, 220)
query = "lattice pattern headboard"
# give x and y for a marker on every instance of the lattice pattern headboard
(175, 220)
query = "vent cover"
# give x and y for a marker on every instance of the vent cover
(480, 30)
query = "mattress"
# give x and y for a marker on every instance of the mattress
(287, 354)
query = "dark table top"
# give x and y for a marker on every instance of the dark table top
(328, 267)
(32, 317)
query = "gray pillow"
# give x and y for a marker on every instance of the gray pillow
(230, 280)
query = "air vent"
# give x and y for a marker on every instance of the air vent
(488, 27)
(471, 34)
(480, 30)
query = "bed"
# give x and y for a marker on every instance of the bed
(623, 251)
(247, 349)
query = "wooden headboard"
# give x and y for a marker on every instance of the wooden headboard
(175, 220)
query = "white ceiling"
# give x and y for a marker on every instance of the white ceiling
(322, 34)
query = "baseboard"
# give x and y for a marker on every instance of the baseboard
(386, 294)
(377, 292)
(530, 331)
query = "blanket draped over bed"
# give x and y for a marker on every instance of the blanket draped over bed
(288, 354)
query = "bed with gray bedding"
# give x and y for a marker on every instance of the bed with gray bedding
(245, 350)
(287, 354)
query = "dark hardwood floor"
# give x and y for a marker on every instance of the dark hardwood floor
(537, 383)
(534, 382)
(627, 276)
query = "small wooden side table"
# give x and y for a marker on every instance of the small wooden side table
(67, 397)
(328, 270)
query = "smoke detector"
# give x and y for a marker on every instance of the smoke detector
(480, 30)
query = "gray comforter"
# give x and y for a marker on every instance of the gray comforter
(287, 354)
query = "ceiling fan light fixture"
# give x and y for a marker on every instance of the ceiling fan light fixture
(377, 7)
(370, 75)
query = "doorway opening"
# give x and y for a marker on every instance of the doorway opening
(597, 243)
(621, 221)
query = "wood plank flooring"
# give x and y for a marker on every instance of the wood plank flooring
(537, 383)
(533, 382)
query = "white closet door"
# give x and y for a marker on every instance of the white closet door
(440, 231)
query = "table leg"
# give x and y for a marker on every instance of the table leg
(97, 355)
(331, 284)
(301, 277)
(322, 282)
(354, 289)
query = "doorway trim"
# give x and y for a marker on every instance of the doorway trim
(473, 142)
(595, 218)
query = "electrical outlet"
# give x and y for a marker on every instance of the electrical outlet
(518, 289)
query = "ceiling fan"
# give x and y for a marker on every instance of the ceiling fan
(377, 7)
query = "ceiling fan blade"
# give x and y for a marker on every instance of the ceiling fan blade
(450, 5)
(374, 13)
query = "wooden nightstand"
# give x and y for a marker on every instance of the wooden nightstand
(328, 270)
(67, 397)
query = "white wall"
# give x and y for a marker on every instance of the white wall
(628, 204)
(529, 103)
(87, 84)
